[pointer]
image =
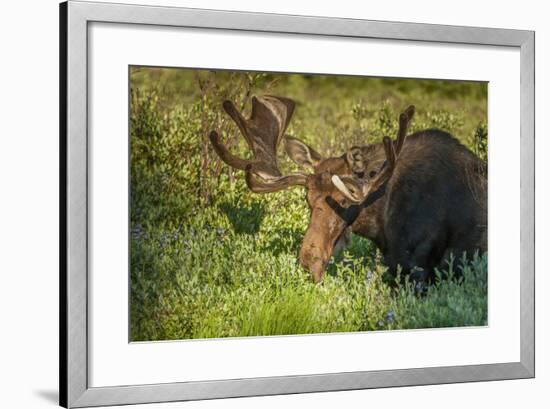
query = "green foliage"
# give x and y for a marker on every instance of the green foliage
(210, 259)
(478, 142)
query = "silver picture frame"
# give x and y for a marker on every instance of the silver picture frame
(75, 16)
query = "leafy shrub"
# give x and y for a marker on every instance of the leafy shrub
(479, 141)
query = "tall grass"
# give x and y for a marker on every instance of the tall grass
(211, 259)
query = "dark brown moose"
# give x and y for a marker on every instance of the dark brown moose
(419, 198)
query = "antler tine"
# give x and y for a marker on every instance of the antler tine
(225, 155)
(275, 185)
(390, 151)
(404, 122)
(232, 111)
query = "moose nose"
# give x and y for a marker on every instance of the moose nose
(314, 260)
(317, 271)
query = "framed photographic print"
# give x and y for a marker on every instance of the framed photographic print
(259, 204)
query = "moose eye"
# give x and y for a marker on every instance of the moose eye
(372, 173)
(360, 175)
(343, 202)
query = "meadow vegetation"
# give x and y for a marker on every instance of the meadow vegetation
(211, 259)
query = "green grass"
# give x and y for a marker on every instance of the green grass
(211, 259)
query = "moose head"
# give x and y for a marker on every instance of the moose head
(338, 188)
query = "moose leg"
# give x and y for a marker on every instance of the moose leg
(422, 260)
(397, 258)
(417, 256)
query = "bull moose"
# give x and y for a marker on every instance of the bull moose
(419, 197)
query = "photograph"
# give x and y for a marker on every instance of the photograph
(270, 204)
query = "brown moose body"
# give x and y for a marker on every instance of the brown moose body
(434, 205)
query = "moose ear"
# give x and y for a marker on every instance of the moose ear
(355, 160)
(300, 153)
